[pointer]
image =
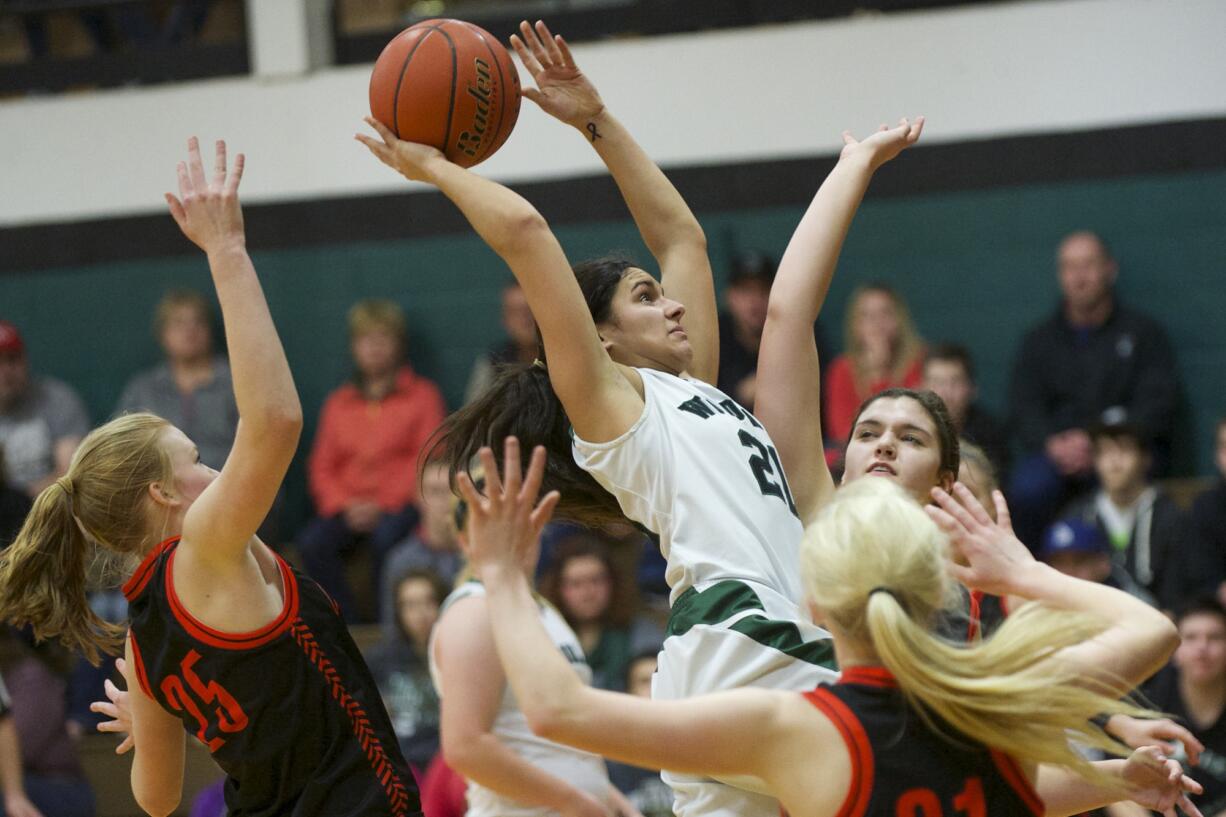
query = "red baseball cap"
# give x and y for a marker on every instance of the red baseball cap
(10, 338)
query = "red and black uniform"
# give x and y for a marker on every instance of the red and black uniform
(290, 712)
(902, 767)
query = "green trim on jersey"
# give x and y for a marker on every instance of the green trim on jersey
(723, 600)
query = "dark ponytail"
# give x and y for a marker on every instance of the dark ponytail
(521, 402)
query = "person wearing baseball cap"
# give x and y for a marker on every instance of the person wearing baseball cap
(41, 419)
(1077, 547)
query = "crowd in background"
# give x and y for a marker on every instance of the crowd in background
(1081, 457)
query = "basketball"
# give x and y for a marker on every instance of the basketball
(449, 84)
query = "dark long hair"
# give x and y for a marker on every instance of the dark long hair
(521, 402)
(930, 401)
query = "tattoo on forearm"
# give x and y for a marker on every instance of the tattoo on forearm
(591, 128)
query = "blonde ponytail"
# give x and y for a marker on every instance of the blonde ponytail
(1003, 692)
(102, 501)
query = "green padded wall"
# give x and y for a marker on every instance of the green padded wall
(975, 266)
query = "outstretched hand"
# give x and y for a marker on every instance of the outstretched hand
(207, 210)
(994, 557)
(885, 144)
(409, 159)
(1163, 733)
(504, 524)
(1158, 783)
(562, 91)
(117, 709)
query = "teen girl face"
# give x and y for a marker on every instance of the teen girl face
(645, 328)
(191, 476)
(896, 439)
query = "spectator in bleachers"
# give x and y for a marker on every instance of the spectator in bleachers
(1193, 689)
(1093, 361)
(42, 420)
(1206, 571)
(950, 372)
(881, 350)
(1079, 549)
(1143, 525)
(642, 787)
(582, 582)
(192, 388)
(401, 670)
(741, 324)
(363, 466)
(434, 546)
(521, 345)
(125, 25)
(14, 505)
(48, 777)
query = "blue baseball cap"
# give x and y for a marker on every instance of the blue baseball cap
(1073, 535)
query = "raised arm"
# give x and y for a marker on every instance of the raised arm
(1138, 639)
(788, 399)
(222, 520)
(743, 734)
(669, 229)
(472, 686)
(599, 400)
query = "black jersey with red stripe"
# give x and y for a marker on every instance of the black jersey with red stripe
(290, 712)
(902, 767)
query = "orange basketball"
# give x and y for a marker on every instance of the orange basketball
(449, 84)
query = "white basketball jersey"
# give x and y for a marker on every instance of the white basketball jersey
(582, 770)
(701, 472)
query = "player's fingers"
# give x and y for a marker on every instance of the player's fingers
(126, 745)
(512, 468)
(848, 139)
(534, 43)
(383, 130)
(917, 128)
(525, 56)
(1188, 784)
(176, 210)
(951, 506)
(1003, 518)
(493, 484)
(544, 511)
(104, 708)
(185, 182)
(961, 574)
(219, 163)
(944, 521)
(568, 59)
(236, 175)
(548, 42)
(112, 726)
(468, 491)
(195, 167)
(536, 474)
(972, 505)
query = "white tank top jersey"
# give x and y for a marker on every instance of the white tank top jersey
(701, 472)
(582, 770)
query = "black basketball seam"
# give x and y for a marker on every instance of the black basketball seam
(451, 101)
(400, 80)
(502, 90)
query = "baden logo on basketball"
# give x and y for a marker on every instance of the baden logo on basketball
(482, 90)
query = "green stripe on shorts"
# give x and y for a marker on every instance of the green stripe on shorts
(723, 600)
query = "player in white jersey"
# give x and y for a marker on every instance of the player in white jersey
(653, 440)
(536, 771)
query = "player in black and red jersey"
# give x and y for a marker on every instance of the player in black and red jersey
(918, 726)
(226, 639)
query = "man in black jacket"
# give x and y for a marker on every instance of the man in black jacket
(1093, 361)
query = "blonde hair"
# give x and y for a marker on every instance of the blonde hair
(174, 299)
(100, 501)
(1004, 692)
(378, 315)
(908, 346)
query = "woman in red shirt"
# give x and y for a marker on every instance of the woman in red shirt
(363, 466)
(882, 351)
